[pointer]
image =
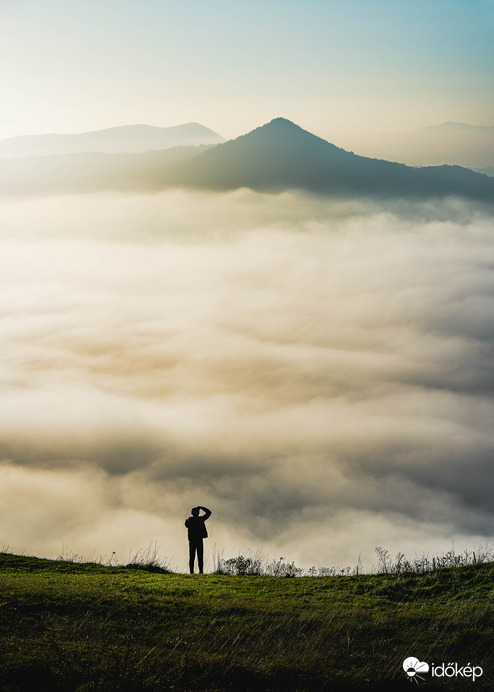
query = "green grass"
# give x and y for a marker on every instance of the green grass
(73, 626)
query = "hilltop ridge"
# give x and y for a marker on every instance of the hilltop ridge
(274, 157)
(109, 628)
(281, 155)
(136, 138)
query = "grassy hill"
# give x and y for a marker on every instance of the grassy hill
(73, 626)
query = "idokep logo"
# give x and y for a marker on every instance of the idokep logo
(413, 668)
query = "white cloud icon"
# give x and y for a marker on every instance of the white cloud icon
(412, 666)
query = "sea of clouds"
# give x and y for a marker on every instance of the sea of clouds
(318, 373)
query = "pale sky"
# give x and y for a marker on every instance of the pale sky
(331, 66)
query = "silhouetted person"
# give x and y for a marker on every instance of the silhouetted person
(196, 528)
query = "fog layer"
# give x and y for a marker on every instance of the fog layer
(318, 374)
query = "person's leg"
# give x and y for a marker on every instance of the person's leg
(200, 555)
(192, 554)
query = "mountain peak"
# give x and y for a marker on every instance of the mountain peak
(280, 155)
(282, 134)
(276, 155)
(283, 122)
(280, 125)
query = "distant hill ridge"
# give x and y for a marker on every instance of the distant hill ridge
(112, 140)
(463, 126)
(277, 156)
(449, 142)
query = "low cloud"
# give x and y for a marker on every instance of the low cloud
(318, 373)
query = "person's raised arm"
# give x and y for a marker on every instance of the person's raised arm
(207, 512)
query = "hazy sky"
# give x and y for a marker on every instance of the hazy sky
(331, 66)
